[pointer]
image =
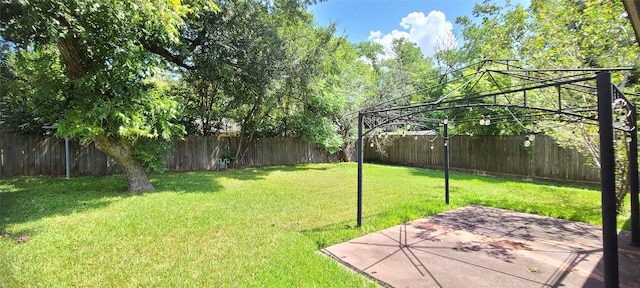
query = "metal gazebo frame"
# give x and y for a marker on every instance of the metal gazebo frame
(398, 111)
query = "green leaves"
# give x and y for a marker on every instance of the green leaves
(32, 90)
(266, 68)
(92, 68)
(559, 34)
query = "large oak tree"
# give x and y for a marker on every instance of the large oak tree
(109, 53)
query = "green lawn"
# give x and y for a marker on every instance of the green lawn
(239, 228)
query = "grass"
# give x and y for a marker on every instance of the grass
(238, 228)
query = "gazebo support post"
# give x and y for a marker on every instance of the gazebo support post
(446, 161)
(607, 180)
(360, 150)
(633, 178)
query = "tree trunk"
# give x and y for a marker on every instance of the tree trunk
(346, 152)
(121, 151)
(71, 57)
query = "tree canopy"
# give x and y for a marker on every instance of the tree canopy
(102, 71)
(133, 75)
(557, 34)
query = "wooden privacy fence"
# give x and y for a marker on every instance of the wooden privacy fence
(504, 156)
(203, 153)
(29, 155)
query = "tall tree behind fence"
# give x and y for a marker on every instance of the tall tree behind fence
(28, 155)
(504, 156)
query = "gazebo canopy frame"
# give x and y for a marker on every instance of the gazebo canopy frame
(401, 111)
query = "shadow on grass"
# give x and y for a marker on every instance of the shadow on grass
(27, 199)
(288, 168)
(251, 173)
(195, 181)
(207, 181)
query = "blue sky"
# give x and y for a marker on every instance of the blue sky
(429, 23)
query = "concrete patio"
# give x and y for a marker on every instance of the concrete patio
(478, 246)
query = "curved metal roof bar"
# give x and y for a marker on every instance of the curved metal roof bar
(482, 96)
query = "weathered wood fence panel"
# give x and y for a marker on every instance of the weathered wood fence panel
(265, 151)
(493, 155)
(1, 154)
(196, 153)
(29, 155)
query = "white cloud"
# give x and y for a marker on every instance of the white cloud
(387, 39)
(374, 35)
(431, 33)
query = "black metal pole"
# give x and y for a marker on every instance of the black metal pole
(67, 159)
(360, 149)
(633, 178)
(607, 180)
(446, 160)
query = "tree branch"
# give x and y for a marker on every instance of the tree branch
(164, 53)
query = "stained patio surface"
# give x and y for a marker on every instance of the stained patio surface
(477, 246)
